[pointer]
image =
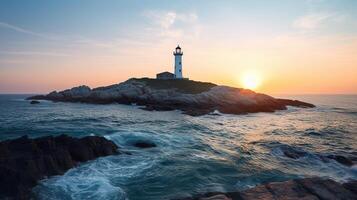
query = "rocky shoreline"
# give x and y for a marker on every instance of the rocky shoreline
(307, 189)
(25, 161)
(191, 97)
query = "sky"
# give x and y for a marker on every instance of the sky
(287, 46)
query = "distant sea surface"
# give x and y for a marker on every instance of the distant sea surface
(216, 152)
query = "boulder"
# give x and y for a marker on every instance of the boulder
(351, 186)
(341, 159)
(144, 144)
(326, 189)
(298, 189)
(34, 102)
(25, 161)
(292, 152)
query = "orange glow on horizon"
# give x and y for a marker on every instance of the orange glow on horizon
(250, 80)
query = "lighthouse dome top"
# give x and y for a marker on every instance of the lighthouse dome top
(178, 47)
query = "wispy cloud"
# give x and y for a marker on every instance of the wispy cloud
(25, 31)
(311, 21)
(314, 21)
(81, 40)
(163, 19)
(166, 19)
(33, 53)
(60, 39)
(172, 24)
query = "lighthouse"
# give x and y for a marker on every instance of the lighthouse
(178, 62)
(178, 68)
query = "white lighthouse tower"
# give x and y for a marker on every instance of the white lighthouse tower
(178, 62)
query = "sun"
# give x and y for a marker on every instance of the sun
(251, 80)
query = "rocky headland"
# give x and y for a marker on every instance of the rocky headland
(192, 97)
(25, 161)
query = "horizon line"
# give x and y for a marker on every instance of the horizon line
(271, 94)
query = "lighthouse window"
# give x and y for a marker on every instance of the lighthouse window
(180, 63)
(180, 70)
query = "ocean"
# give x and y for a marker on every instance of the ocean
(217, 152)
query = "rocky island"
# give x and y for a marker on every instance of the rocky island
(191, 97)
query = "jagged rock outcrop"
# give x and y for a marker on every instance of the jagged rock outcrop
(191, 97)
(307, 189)
(292, 152)
(25, 161)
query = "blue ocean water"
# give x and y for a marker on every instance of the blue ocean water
(194, 155)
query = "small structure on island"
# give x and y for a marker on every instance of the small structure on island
(177, 67)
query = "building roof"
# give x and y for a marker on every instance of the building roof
(165, 73)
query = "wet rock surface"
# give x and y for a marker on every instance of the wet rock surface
(297, 153)
(34, 102)
(144, 144)
(191, 97)
(25, 161)
(341, 159)
(293, 153)
(307, 189)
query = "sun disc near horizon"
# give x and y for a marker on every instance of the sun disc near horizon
(251, 80)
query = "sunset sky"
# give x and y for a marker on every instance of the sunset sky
(290, 46)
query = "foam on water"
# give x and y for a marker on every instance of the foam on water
(85, 182)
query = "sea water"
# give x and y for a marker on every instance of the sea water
(216, 152)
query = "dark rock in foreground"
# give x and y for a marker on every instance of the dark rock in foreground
(307, 189)
(192, 97)
(25, 161)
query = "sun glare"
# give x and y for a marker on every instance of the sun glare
(251, 80)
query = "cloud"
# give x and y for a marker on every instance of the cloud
(311, 21)
(168, 18)
(22, 30)
(165, 20)
(78, 40)
(171, 24)
(34, 53)
(315, 21)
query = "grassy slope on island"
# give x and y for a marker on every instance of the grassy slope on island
(182, 85)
